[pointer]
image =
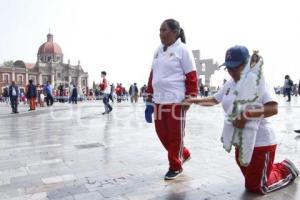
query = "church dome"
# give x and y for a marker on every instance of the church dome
(50, 47)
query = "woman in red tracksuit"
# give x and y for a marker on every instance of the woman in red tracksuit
(173, 78)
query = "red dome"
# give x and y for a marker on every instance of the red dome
(50, 47)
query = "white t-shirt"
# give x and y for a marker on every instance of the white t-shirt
(14, 92)
(265, 135)
(169, 68)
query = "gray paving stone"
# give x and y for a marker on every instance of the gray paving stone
(66, 191)
(81, 154)
(89, 196)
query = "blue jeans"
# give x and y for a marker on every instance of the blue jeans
(108, 107)
(288, 93)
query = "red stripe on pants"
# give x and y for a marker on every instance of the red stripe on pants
(169, 125)
(262, 175)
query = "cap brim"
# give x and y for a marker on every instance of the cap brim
(232, 64)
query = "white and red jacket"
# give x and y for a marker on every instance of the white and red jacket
(104, 86)
(173, 75)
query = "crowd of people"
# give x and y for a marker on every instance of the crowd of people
(46, 94)
(40, 95)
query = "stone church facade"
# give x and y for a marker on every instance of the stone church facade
(50, 66)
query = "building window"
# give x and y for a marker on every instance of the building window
(49, 58)
(20, 79)
(59, 75)
(66, 81)
(203, 67)
(83, 82)
(74, 80)
(45, 79)
(5, 78)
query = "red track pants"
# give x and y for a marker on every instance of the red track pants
(32, 103)
(262, 175)
(170, 125)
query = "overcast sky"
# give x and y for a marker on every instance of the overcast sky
(120, 36)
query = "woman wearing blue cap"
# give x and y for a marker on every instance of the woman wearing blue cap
(248, 102)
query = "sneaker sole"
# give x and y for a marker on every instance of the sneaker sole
(172, 178)
(289, 164)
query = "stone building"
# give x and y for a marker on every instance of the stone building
(205, 67)
(50, 66)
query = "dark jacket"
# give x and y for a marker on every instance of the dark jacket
(5, 92)
(10, 89)
(133, 90)
(74, 92)
(31, 91)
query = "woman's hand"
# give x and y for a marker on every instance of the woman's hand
(186, 104)
(269, 109)
(191, 101)
(240, 121)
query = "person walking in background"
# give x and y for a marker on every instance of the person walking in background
(295, 90)
(61, 93)
(143, 93)
(119, 91)
(111, 95)
(105, 89)
(134, 93)
(299, 88)
(31, 95)
(42, 99)
(74, 94)
(70, 91)
(48, 92)
(172, 79)
(14, 92)
(6, 95)
(201, 89)
(288, 84)
(23, 98)
(298, 131)
(206, 90)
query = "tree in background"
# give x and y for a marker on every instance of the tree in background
(8, 63)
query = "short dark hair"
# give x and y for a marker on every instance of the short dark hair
(104, 73)
(30, 81)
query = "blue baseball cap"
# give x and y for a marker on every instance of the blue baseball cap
(235, 56)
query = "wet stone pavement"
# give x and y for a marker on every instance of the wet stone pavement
(72, 152)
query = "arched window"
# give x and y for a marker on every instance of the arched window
(83, 83)
(20, 79)
(6, 78)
